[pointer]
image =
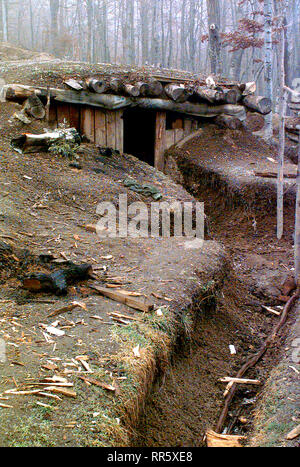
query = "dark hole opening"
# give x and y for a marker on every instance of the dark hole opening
(139, 134)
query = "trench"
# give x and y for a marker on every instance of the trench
(188, 399)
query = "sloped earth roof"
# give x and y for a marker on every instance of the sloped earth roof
(53, 73)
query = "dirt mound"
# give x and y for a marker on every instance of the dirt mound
(10, 52)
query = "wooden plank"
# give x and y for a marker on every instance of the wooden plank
(125, 299)
(178, 135)
(160, 137)
(88, 123)
(187, 126)
(75, 116)
(119, 131)
(169, 138)
(63, 113)
(53, 116)
(194, 125)
(177, 124)
(111, 129)
(100, 127)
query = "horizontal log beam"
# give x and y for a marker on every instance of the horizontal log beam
(113, 102)
(198, 110)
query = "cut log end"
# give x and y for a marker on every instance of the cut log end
(262, 105)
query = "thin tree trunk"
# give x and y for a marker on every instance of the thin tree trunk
(54, 8)
(268, 64)
(282, 112)
(297, 224)
(4, 21)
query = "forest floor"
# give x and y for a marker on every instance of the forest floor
(43, 204)
(211, 297)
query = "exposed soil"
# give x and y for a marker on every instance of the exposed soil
(43, 203)
(216, 167)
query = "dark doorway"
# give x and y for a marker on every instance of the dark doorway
(139, 134)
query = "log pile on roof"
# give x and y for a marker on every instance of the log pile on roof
(165, 90)
(193, 99)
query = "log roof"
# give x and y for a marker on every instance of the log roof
(114, 86)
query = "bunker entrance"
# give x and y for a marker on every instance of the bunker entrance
(139, 134)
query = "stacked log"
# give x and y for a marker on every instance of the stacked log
(178, 93)
(213, 96)
(97, 86)
(259, 104)
(292, 128)
(117, 92)
(228, 121)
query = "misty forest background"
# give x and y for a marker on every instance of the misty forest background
(166, 33)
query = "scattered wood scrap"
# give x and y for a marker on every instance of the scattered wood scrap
(216, 440)
(239, 380)
(61, 390)
(251, 362)
(294, 433)
(89, 227)
(5, 406)
(68, 308)
(58, 281)
(271, 310)
(95, 382)
(126, 300)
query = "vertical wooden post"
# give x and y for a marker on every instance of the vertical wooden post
(160, 134)
(119, 131)
(88, 123)
(100, 127)
(111, 128)
(63, 113)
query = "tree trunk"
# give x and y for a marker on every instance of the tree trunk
(297, 224)
(268, 14)
(54, 8)
(4, 21)
(213, 10)
(282, 112)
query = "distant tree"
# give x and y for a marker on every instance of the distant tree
(54, 9)
(214, 42)
(268, 16)
(282, 113)
(4, 11)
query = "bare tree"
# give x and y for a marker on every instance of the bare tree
(268, 16)
(54, 9)
(4, 20)
(282, 114)
(213, 16)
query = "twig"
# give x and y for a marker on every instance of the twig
(253, 360)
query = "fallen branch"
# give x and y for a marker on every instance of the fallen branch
(253, 360)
